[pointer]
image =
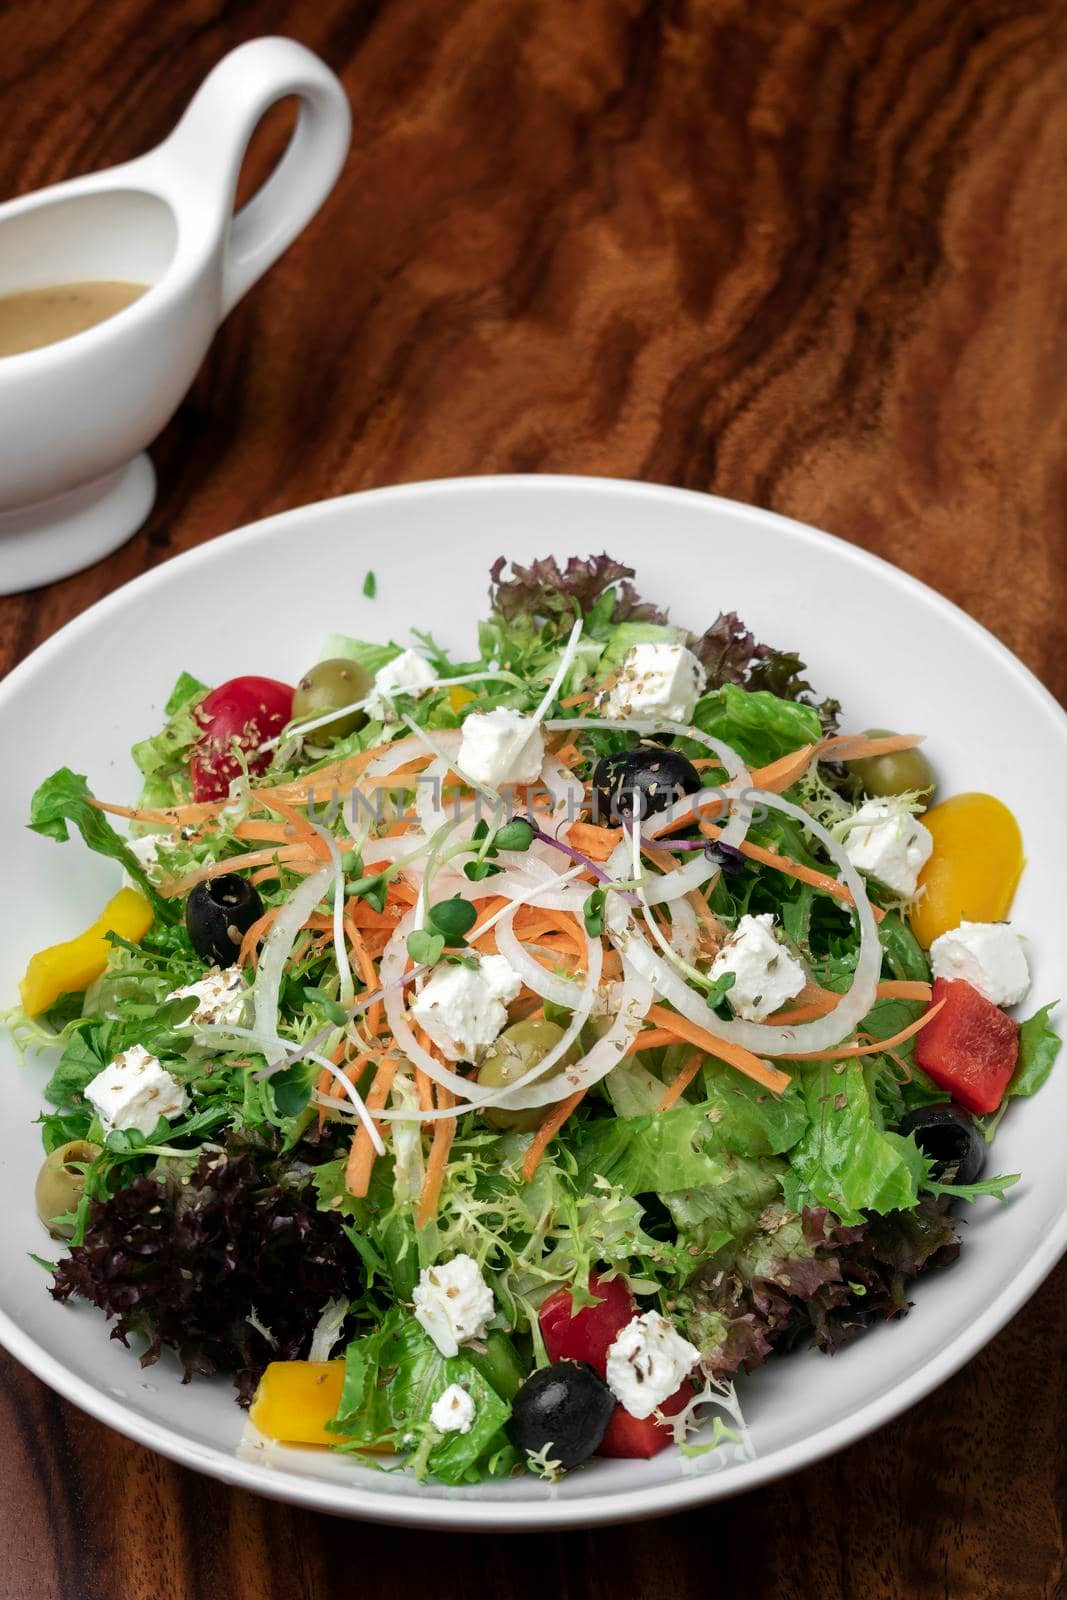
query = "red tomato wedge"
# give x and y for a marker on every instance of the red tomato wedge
(637, 1438)
(970, 1048)
(239, 715)
(587, 1335)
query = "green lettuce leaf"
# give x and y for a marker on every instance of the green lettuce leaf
(393, 1376)
(670, 1150)
(726, 1211)
(339, 647)
(758, 725)
(902, 953)
(164, 758)
(845, 1161)
(1039, 1045)
(626, 634)
(65, 798)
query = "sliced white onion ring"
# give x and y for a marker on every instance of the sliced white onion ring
(545, 984)
(823, 1033)
(276, 951)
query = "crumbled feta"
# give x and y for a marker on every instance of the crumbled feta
(145, 847)
(134, 1091)
(453, 1411)
(221, 997)
(648, 1363)
(887, 842)
(453, 1303)
(766, 973)
(462, 1007)
(408, 673)
(501, 747)
(656, 680)
(989, 955)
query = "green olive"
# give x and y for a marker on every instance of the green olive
(60, 1184)
(517, 1051)
(900, 773)
(331, 684)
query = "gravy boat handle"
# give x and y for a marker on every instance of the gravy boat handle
(202, 158)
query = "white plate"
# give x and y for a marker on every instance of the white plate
(260, 601)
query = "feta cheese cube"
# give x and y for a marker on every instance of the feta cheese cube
(453, 1411)
(134, 1091)
(885, 841)
(656, 680)
(221, 997)
(145, 847)
(988, 955)
(766, 973)
(500, 747)
(648, 1363)
(408, 673)
(453, 1303)
(462, 1007)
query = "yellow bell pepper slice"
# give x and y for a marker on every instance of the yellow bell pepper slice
(71, 967)
(975, 867)
(296, 1399)
(460, 696)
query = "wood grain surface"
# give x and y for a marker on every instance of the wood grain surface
(807, 253)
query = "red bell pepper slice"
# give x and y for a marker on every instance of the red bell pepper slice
(970, 1048)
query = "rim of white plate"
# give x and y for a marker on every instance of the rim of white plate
(595, 1509)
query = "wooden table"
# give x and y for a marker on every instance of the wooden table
(807, 253)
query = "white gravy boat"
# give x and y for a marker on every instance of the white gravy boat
(76, 415)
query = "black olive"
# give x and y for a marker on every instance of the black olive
(949, 1140)
(642, 781)
(565, 1406)
(218, 914)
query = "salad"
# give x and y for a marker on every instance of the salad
(484, 1061)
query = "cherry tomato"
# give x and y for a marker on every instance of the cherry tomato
(975, 867)
(587, 1335)
(238, 715)
(637, 1438)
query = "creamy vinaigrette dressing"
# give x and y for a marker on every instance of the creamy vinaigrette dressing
(36, 317)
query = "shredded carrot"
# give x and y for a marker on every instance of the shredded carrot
(326, 1079)
(652, 1039)
(577, 699)
(264, 832)
(845, 1052)
(723, 1049)
(361, 1154)
(353, 1072)
(793, 869)
(814, 1002)
(545, 1134)
(568, 755)
(858, 746)
(249, 951)
(423, 1081)
(593, 841)
(367, 972)
(443, 1134)
(784, 772)
(291, 854)
(903, 989)
(403, 778)
(682, 1081)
